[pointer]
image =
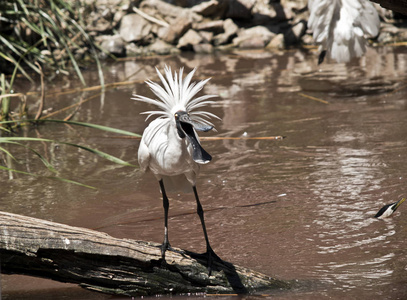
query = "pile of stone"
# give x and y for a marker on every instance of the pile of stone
(145, 27)
(159, 27)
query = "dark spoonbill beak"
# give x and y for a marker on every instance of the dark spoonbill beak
(185, 128)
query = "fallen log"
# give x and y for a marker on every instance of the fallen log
(99, 262)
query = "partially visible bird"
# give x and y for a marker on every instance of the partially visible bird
(340, 27)
(170, 146)
(387, 210)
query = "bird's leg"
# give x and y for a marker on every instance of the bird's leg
(209, 251)
(166, 244)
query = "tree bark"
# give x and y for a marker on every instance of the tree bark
(100, 262)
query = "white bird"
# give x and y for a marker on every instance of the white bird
(340, 27)
(387, 210)
(170, 146)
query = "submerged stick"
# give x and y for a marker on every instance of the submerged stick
(99, 262)
(215, 138)
(313, 98)
(42, 99)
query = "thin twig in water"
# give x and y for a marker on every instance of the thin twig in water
(67, 118)
(398, 89)
(313, 98)
(215, 138)
(11, 95)
(70, 106)
(39, 112)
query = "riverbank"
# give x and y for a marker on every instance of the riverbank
(152, 27)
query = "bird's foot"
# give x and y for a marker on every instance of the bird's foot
(166, 246)
(211, 257)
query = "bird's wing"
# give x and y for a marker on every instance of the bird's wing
(147, 143)
(143, 156)
(341, 26)
(321, 17)
(380, 213)
(347, 40)
(369, 20)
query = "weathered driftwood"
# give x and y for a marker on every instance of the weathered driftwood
(100, 262)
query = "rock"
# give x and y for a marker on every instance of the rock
(133, 50)
(212, 26)
(102, 25)
(295, 33)
(160, 47)
(206, 8)
(307, 39)
(230, 31)
(276, 42)
(253, 37)
(134, 28)
(189, 39)
(207, 36)
(118, 16)
(169, 10)
(177, 28)
(113, 44)
(203, 48)
(299, 29)
(263, 12)
(240, 9)
(255, 42)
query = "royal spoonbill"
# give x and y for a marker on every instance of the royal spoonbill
(340, 27)
(170, 146)
(387, 210)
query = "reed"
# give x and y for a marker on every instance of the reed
(47, 32)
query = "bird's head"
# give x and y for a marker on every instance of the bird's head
(185, 125)
(185, 129)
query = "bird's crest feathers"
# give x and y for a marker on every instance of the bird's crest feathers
(177, 94)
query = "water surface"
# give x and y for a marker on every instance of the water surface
(300, 208)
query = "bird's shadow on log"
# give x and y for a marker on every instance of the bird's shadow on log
(228, 268)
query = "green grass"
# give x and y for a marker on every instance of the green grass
(20, 141)
(42, 37)
(49, 32)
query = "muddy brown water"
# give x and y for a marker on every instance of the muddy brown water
(298, 209)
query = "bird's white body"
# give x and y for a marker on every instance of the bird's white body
(161, 149)
(387, 210)
(340, 26)
(387, 213)
(164, 153)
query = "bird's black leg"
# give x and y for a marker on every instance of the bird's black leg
(209, 251)
(166, 244)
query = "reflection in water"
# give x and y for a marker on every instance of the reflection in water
(342, 180)
(299, 208)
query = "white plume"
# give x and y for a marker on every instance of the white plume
(177, 94)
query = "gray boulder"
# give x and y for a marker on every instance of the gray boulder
(254, 37)
(134, 28)
(189, 39)
(113, 44)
